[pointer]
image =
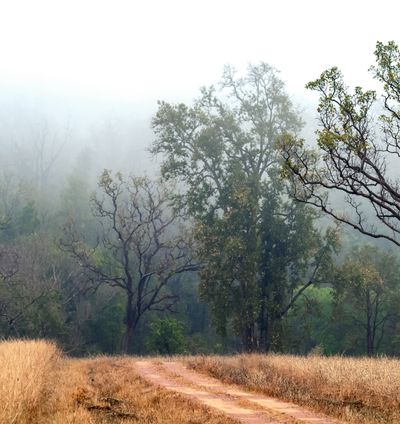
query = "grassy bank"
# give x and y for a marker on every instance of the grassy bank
(40, 386)
(359, 390)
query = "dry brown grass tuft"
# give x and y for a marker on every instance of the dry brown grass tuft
(359, 390)
(27, 372)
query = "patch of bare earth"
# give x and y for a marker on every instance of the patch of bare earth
(234, 402)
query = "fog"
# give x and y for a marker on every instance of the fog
(85, 250)
(82, 79)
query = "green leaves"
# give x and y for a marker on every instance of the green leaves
(344, 115)
(387, 69)
(167, 336)
(224, 151)
(366, 293)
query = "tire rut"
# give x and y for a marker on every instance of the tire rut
(245, 407)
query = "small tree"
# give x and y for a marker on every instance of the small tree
(167, 336)
(366, 288)
(142, 245)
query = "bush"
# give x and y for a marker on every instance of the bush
(167, 336)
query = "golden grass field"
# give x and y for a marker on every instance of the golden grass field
(359, 390)
(39, 385)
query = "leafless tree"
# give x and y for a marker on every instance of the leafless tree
(39, 152)
(141, 245)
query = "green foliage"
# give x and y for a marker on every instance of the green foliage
(224, 149)
(309, 323)
(343, 112)
(290, 247)
(28, 220)
(167, 337)
(106, 329)
(19, 214)
(30, 293)
(367, 297)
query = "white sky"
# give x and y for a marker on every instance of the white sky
(148, 49)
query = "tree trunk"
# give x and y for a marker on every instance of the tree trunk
(370, 341)
(263, 325)
(370, 333)
(248, 339)
(130, 324)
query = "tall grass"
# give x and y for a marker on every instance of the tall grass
(27, 375)
(360, 390)
(39, 386)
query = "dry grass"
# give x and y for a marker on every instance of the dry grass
(27, 370)
(38, 386)
(108, 390)
(359, 390)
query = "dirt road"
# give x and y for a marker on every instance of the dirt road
(245, 407)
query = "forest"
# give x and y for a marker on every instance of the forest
(239, 234)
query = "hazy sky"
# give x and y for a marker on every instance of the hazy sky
(148, 49)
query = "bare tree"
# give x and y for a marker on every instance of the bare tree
(141, 246)
(40, 155)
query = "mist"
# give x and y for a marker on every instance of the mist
(86, 77)
(88, 88)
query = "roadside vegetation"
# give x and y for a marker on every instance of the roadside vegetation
(40, 386)
(358, 390)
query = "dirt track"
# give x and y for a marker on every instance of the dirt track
(245, 407)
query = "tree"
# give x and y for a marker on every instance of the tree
(142, 245)
(294, 257)
(310, 325)
(223, 151)
(40, 156)
(367, 294)
(30, 303)
(18, 211)
(167, 336)
(10, 201)
(356, 150)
